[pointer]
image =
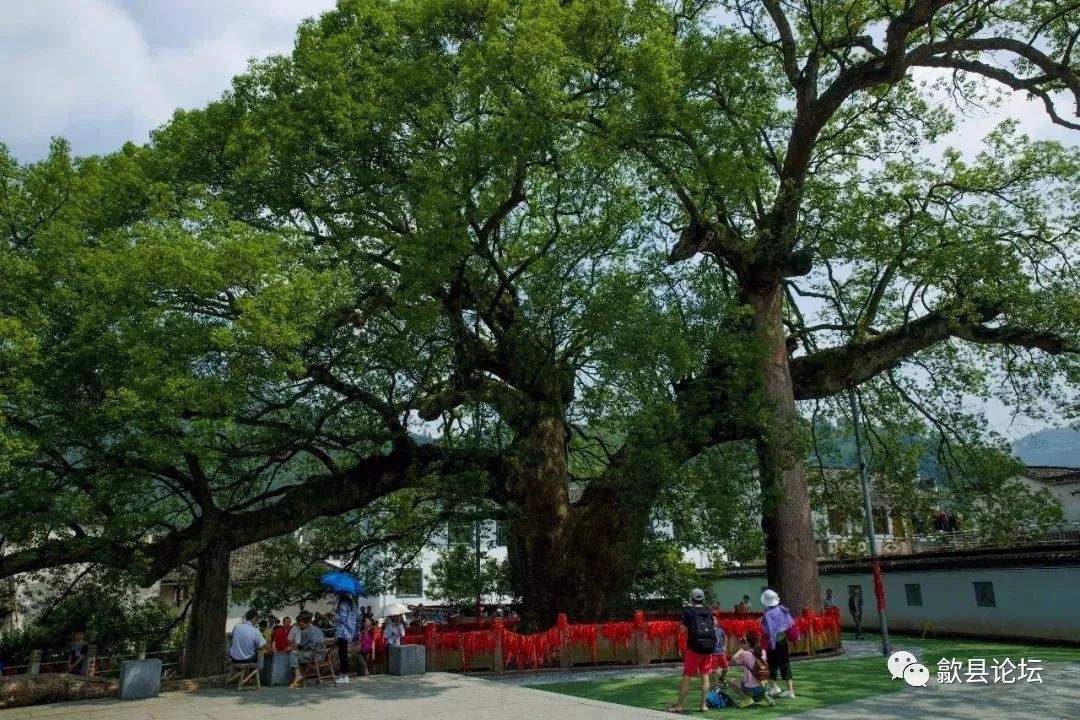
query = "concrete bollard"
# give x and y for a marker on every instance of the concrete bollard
(275, 669)
(407, 659)
(140, 679)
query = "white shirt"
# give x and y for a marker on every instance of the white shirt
(294, 634)
(393, 633)
(246, 641)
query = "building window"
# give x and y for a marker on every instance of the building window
(914, 594)
(410, 583)
(984, 594)
(502, 535)
(462, 532)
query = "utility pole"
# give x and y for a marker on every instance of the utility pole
(879, 589)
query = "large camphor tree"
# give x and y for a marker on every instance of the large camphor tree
(156, 402)
(796, 141)
(438, 212)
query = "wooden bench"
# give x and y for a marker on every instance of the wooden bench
(246, 676)
(322, 669)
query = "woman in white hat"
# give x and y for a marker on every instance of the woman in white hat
(776, 621)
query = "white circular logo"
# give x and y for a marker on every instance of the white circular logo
(898, 661)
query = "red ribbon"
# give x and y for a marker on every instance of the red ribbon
(619, 632)
(879, 589)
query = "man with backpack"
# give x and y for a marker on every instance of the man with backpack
(700, 643)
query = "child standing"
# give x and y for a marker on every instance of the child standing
(78, 652)
(719, 658)
(366, 637)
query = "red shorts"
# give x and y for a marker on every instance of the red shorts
(694, 664)
(720, 661)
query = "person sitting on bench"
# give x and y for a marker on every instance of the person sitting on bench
(310, 647)
(246, 640)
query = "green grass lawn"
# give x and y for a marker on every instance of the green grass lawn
(818, 684)
(934, 650)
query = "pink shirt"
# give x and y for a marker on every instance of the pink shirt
(749, 663)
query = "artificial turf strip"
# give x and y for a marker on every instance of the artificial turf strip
(963, 650)
(817, 685)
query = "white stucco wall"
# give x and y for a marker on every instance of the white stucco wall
(1030, 602)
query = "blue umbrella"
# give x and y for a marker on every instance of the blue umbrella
(343, 582)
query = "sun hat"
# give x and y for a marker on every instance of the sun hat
(697, 595)
(769, 598)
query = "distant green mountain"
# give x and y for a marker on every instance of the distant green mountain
(1052, 446)
(839, 452)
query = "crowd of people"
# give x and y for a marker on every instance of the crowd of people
(349, 627)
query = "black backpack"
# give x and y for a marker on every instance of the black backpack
(701, 637)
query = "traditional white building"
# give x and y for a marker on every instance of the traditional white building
(1063, 482)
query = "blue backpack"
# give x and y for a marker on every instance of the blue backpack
(719, 699)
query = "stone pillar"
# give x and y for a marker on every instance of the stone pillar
(407, 660)
(35, 662)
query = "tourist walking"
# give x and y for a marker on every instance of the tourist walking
(344, 632)
(854, 604)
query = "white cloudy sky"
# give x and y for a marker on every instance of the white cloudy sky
(102, 72)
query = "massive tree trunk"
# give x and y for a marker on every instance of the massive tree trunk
(205, 646)
(790, 551)
(578, 559)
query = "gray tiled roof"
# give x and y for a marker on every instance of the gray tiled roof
(1052, 475)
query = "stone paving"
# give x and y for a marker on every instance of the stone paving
(437, 696)
(444, 696)
(1057, 697)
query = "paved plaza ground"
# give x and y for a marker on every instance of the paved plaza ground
(444, 696)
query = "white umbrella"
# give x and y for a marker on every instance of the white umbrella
(395, 609)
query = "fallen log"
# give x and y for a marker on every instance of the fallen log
(23, 690)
